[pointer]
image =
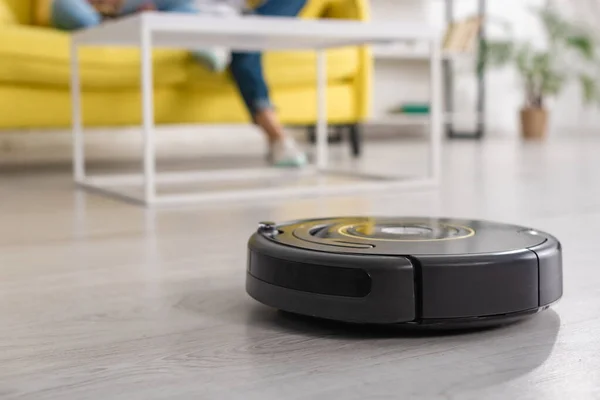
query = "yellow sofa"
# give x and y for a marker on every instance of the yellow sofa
(34, 78)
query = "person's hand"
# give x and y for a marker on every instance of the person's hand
(107, 7)
(148, 6)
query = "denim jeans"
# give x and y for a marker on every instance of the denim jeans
(77, 14)
(246, 67)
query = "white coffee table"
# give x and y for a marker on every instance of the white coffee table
(152, 29)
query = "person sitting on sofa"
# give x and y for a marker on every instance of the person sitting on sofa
(245, 67)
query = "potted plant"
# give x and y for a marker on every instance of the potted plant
(568, 55)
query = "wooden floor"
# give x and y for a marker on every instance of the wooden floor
(104, 300)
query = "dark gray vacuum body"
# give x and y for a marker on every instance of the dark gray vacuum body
(420, 272)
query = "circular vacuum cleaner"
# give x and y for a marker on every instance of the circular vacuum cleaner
(417, 272)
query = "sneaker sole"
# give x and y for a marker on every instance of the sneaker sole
(291, 163)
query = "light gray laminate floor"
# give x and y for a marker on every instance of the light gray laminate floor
(104, 300)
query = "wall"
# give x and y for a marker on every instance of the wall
(398, 81)
(504, 95)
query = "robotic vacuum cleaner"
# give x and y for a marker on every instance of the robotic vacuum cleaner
(416, 272)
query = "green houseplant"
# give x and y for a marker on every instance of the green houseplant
(570, 54)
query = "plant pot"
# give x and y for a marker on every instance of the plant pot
(534, 122)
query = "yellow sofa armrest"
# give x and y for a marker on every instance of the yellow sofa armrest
(348, 9)
(363, 82)
(7, 17)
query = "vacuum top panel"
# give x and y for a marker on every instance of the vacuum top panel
(406, 235)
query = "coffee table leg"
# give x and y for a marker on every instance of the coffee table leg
(78, 140)
(148, 117)
(322, 151)
(436, 121)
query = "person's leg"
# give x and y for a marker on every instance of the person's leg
(73, 14)
(176, 5)
(247, 72)
(213, 59)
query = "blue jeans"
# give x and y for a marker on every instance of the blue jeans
(246, 67)
(78, 14)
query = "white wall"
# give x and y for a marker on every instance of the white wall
(398, 81)
(504, 95)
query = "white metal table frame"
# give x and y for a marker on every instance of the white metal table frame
(154, 29)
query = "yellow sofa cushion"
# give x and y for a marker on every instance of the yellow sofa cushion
(41, 12)
(315, 9)
(24, 107)
(40, 56)
(21, 9)
(7, 17)
(288, 69)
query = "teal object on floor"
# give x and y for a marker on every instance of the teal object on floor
(415, 108)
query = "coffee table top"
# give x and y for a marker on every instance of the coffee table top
(248, 33)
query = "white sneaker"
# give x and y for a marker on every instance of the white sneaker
(285, 153)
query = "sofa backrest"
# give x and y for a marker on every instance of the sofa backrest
(342, 9)
(314, 8)
(21, 8)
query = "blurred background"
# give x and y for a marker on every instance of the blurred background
(112, 299)
(382, 94)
